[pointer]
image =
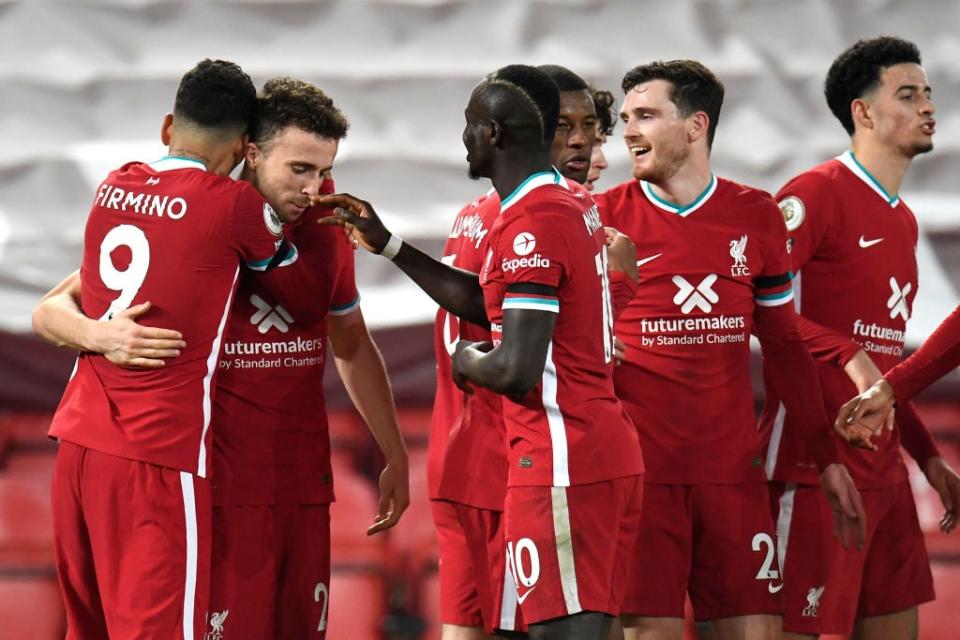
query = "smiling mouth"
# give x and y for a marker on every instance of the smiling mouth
(638, 150)
(928, 127)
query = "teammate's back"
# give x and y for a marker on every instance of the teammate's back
(170, 233)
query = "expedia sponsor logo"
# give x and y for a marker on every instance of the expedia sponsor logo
(536, 261)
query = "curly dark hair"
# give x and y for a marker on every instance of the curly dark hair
(605, 104)
(856, 72)
(695, 88)
(285, 101)
(216, 95)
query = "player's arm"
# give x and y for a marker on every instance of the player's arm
(622, 268)
(59, 320)
(516, 365)
(364, 376)
(793, 375)
(455, 290)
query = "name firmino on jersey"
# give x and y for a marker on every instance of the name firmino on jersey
(111, 197)
(663, 325)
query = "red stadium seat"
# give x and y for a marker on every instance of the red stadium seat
(415, 424)
(413, 542)
(30, 608)
(26, 523)
(351, 514)
(357, 603)
(26, 428)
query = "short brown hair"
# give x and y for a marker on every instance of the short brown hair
(695, 88)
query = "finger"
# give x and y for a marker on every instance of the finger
(135, 310)
(383, 517)
(156, 353)
(157, 333)
(333, 200)
(845, 413)
(145, 363)
(163, 343)
(891, 419)
(861, 516)
(840, 531)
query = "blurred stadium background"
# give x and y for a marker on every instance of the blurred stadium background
(84, 85)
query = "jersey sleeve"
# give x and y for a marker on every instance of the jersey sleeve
(937, 356)
(534, 260)
(773, 287)
(806, 206)
(914, 435)
(345, 298)
(257, 233)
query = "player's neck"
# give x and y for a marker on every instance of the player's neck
(686, 185)
(885, 165)
(509, 175)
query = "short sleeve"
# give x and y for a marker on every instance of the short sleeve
(345, 298)
(805, 205)
(257, 232)
(532, 250)
(773, 286)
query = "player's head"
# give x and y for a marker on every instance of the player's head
(878, 89)
(211, 113)
(294, 138)
(514, 110)
(604, 102)
(576, 126)
(670, 110)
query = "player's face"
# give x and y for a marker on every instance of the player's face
(655, 132)
(291, 168)
(598, 161)
(475, 136)
(902, 109)
(576, 132)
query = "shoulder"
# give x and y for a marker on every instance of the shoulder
(809, 191)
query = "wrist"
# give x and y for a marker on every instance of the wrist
(392, 248)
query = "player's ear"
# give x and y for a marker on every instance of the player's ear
(494, 133)
(698, 125)
(252, 155)
(861, 113)
(166, 129)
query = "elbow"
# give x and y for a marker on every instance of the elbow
(518, 381)
(37, 321)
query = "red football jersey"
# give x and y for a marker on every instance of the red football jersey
(467, 453)
(271, 440)
(687, 329)
(570, 429)
(854, 254)
(173, 234)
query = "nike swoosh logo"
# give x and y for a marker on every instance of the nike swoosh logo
(520, 599)
(865, 244)
(774, 589)
(640, 263)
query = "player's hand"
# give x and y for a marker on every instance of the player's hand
(619, 351)
(849, 518)
(128, 344)
(864, 373)
(357, 217)
(464, 353)
(947, 484)
(394, 494)
(870, 412)
(621, 253)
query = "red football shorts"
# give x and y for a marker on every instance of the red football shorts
(271, 572)
(476, 590)
(568, 548)
(715, 542)
(826, 588)
(132, 546)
